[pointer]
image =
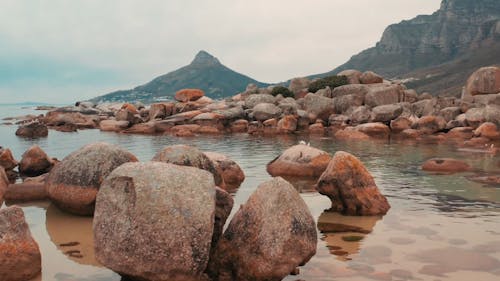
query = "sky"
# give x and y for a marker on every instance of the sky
(61, 51)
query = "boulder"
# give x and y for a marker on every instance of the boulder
(475, 116)
(7, 160)
(4, 183)
(254, 100)
(460, 133)
(319, 106)
(317, 129)
(287, 124)
(35, 162)
(350, 89)
(343, 103)
(483, 100)
(185, 155)
(299, 161)
(445, 165)
(299, 84)
(400, 124)
(424, 107)
(492, 114)
(450, 113)
(487, 130)
(123, 115)
(20, 257)
(186, 95)
(410, 96)
(264, 111)
(239, 126)
(380, 94)
(370, 77)
(386, 113)
(147, 128)
(353, 76)
(160, 110)
(351, 134)
(113, 125)
(360, 115)
(32, 130)
(223, 205)
(485, 80)
(374, 130)
(155, 221)
(231, 173)
(430, 124)
(73, 183)
(268, 237)
(338, 120)
(130, 108)
(351, 188)
(270, 126)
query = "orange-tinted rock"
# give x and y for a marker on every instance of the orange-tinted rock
(485, 80)
(73, 184)
(430, 124)
(352, 75)
(186, 95)
(35, 162)
(299, 161)
(209, 130)
(20, 257)
(410, 134)
(26, 192)
(287, 124)
(184, 133)
(460, 133)
(374, 130)
(160, 110)
(148, 128)
(478, 142)
(7, 161)
(370, 77)
(230, 171)
(445, 165)
(400, 124)
(193, 128)
(130, 108)
(270, 126)
(487, 130)
(185, 155)
(113, 125)
(269, 236)
(351, 188)
(4, 183)
(239, 126)
(351, 134)
(317, 129)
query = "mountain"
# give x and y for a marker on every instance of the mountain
(204, 72)
(436, 52)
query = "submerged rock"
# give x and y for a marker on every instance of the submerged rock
(231, 173)
(269, 236)
(299, 161)
(445, 165)
(154, 221)
(351, 188)
(185, 155)
(20, 257)
(35, 162)
(74, 182)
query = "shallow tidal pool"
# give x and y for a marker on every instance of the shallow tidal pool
(440, 227)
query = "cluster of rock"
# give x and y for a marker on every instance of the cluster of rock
(343, 178)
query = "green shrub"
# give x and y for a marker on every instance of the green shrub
(280, 90)
(330, 81)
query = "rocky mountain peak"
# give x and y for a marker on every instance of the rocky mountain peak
(203, 58)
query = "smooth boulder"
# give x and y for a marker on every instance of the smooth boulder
(154, 221)
(231, 172)
(20, 257)
(299, 161)
(35, 162)
(269, 236)
(186, 95)
(351, 188)
(185, 155)
(7, 160)
(74, 182)
(32, 130)
(485, 80)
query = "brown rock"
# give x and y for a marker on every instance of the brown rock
(370, 77)
(130, 108)
(317, 129)
(380, 94)
(27, 191)
(148, 128)
(160, 110)
(186, 95)
(239, 126)
(20, 257)
(123, 115)
(445, 165)
(35, 162)
(321, 107)
(374, 130)
(287, 124)
(352, 75)
(73, 184)
(113, 125)
(485, 80)
(410, 134)
(4, 183)
(299, 161)
(351, 134)
(298, 84)
(209, 130)
(487, 130)
(430, 124)
(7, 161)
(32, 130)
(268, 237)
(184, 133)
(185, 155)
(231, 173)
(460, 133)
(351, 188)
(400, 124)
(223, 205)
(270, 126)
(155, 221)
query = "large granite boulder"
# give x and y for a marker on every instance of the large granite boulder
(32, 130)
(380, 94)
(299, 161)
(185, 155)
(485, 80)
(20, 258)
(352, 75)
(370, 77)
(4, 183)
(35, 162)
(321, 107)
(265, 111)
(374, 130)
(254, 100)
(7, 160)
(488, 130)
(351, 188)
(154, 221)
(268, 237)
(73, 183)
(186, 95)
(231, 173)
(298, 84)
(386, 113)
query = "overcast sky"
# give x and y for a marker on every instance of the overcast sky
(62, 51)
